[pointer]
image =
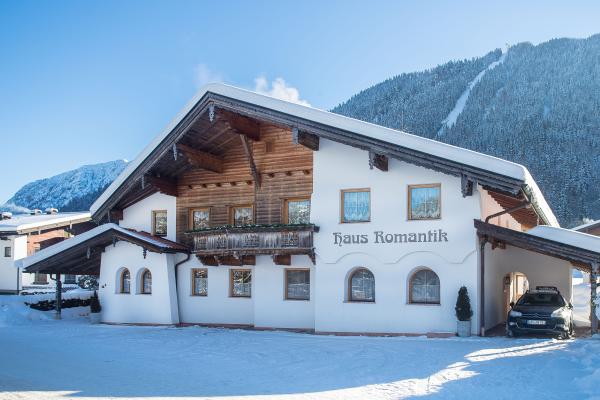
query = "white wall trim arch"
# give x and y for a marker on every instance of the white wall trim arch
(119, 289)
(408, 281)
(139, 282)
(347, 285)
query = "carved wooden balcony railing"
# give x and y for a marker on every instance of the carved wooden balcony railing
(252, 240)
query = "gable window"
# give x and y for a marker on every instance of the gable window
(297, 284)
(8, 251)
(146, 284)
(199, 282)
(424, 287)
(355, 205)
(361, 286)
(240, 283)
(159, 223)
(296, 211)
(424, 201)
(125, 282)
(241, 215)
(200, 218)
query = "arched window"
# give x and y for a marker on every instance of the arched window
(361, 286)
(125, 281)
(424, 287)
(146, 282)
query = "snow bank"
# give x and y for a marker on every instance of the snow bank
(581, 304)
(14, 311)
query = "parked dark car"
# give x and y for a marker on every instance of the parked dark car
(541, 311)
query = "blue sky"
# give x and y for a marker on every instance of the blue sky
(87, 82)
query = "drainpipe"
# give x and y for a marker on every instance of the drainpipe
(186, 259)
(482, 241)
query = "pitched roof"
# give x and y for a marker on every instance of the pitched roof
(587, 226)
(509, 176)
(24, 223)
(65, 256)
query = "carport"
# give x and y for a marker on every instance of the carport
(544, 255)
(82, 254)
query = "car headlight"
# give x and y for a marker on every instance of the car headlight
(514, 313)
(560, 313)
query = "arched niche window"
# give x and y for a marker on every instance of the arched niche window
(146, 282)
(424, 287)
(125, 281)
(361, 286)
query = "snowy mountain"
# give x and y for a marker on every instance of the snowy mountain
(74, 190)
(535, 105)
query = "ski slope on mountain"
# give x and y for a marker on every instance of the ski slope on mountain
(450, 120)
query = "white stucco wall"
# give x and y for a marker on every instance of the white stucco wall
(160, 307)
(139, 215)
(338, 167)
(218, 307)
(540, 270)
(8, 271)
(266, 308)
(271, 308)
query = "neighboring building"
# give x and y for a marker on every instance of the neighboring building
(252, 211)
(24, 234)
(591, 228)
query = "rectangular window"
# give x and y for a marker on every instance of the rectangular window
(424, 201)
(356, 205)
(40, 279)
(297, 284)
(296, 211)
(159, 223)
(8, 251)
(241, 215)
(241, 283)
(70, 279)
(199, 282)
(200, 218)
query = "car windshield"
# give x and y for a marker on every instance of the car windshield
(541, 299)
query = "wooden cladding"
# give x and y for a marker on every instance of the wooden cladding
(284, 172)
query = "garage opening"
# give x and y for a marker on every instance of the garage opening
(515, 284)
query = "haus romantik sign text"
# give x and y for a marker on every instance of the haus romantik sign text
(381, 237)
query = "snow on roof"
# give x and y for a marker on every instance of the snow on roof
(74, 241)
(418, 143)
(567, 236)
(26, 222)
(587, 225)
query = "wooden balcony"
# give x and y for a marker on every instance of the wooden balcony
(239, 245)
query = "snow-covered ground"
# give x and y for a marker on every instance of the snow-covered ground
(45, 359)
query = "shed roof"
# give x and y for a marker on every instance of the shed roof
(579, 248)
(505, 175)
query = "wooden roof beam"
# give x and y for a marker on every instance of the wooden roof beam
(305, 139)
(248, 151)
(378, 161)
(163, 185)
(240, 124)
(202, 159)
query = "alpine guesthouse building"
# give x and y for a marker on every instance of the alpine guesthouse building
(248, 211)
